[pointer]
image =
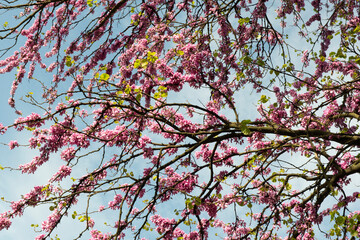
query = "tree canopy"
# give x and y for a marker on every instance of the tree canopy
(186, 119)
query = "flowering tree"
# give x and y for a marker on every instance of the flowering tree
(117, 80)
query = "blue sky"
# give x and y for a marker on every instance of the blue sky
(14, 184)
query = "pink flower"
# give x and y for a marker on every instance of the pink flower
(34, 120)
(115, 204)
(97, 235)
(305, 58)
(40, 237)
(91, 223)
(68, 154)
(101, 208)
(2, 129)
(63, 172)
(13, 144)
(11, 102)
(4, 222)
(52, 221)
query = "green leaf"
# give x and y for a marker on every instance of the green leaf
(340, 220)
(90, 3)
(104, 76)
(138, 97)
(157, 95)
(68, 61)
(247, 60)
(151, 57)
(128, 89)
(29, 128)
(197, 201)
(357, 29)
(180, 53)
(339, 54)
(244, 128)
(260, 62)
(162, 88)
(103, 68)
(247, 121)
(338, 231)
(264, 99)
(242, 21)
(141, 63)
(137, 63)
(189, 204)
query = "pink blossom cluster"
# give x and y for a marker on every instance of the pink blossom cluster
(13, 144)
(174, 183)
(51, 222)
(63, 172)
(2, 129)
(210, 207)
(5, 222)
(97, 235)
(165, 226)
(237, 230)
(68, 154)
(32, 121)
(115, 204)
(89, 181)
(305, 58)
(346, 160)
